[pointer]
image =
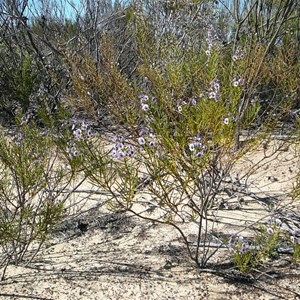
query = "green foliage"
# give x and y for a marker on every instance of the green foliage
(178, 85)
(296, 254)
(31, 203)
(242, 254)
(249, 254)
(25, 82)
(268, 240)
(19, 80)
(243, 261)
(177, 125)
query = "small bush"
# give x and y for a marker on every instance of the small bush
(31, 186)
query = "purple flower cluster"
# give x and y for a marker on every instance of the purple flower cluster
(226, 121)
(18, 138)
(136, 147)
(197, 147)
(238, 55)
(34, 153)
(237, 244)
(238, 82)
(121, 149)
(38, 156)
(72, 150)
(146, 138)
(212, 39)
(214, 90)
(193, 101)
(145, 102)
(144, 99)
(273, 225)
(190, 102)
(81, 131)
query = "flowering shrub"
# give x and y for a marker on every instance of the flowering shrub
(177, 118)
(242, 254)
(268, 242)
(31, 192)
(172, 147)
(178, 152)
(176, 82)
(268, 239)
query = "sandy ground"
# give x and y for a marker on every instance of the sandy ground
(123, 257)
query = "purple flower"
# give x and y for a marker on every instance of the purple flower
(151, 144)
(121, 138)
(130, 154)
(214, 90)
(144, 98)
(197, 138)
(216, 86)
(235, 83)
(141, 141)
(145, 107)
(18, 139)
(192, 147)
(120, 154)
(226, 121)
(194, 102)
(212, 95)
(77, 134)
(270, 231)
(84, 126)
(119, 146)
(198, 144)
(238, 54)
(199, 154)
(89, 133)
(234, 57)
(244, 248)
(130, 151)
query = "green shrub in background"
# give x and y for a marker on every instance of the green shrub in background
(18, 83)
(32, 180)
